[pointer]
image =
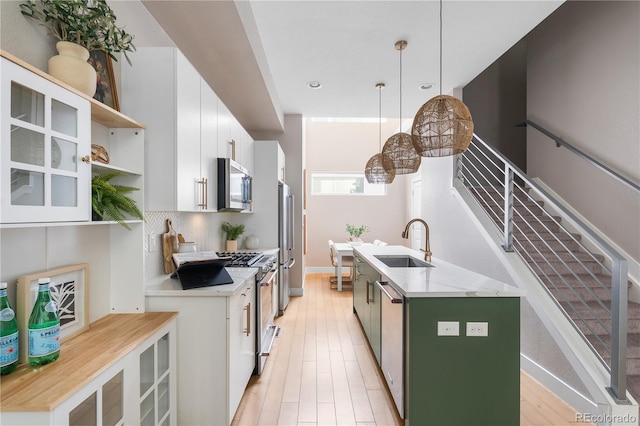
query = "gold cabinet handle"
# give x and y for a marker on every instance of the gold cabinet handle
(86, 159)
(248, 309)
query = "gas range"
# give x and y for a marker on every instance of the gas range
(249, 259)
(241, 259)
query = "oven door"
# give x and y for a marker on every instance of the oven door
(267, 330)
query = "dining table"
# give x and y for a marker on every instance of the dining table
(343, 250)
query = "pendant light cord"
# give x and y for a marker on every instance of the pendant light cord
(441, 47)
(401, 89)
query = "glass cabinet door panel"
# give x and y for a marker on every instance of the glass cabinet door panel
(64, 155)
(147, 410)
(163, 397)
(45, 131)
(64, 191)
(147, 369)
(86, 413)
(27, 188)
(27, 146)
(64, 118)
(112, 403)
(163, 354)
(26, 104)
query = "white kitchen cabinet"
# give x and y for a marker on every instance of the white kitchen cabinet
(121, 371)
(267, 171)
(233, 140)
(281, 165)
(45, 155)
(181, 110)
(216, 350)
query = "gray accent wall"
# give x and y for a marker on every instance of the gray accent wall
(583, 85)
(497, 99)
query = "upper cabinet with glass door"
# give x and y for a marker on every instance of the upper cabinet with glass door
(45, 153)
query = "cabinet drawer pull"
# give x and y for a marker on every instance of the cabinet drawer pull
(248, 309)
(86, 159)
(382, 285)
(203, 192)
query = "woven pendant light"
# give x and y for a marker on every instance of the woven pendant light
(398, 154)
(442, 126)
(374, 171)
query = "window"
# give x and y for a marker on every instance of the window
(344, 184)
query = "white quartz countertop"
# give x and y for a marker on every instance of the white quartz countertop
(442, 280)
(165, 286)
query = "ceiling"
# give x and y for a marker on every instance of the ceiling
(259, 55)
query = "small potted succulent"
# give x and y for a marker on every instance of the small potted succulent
(356, 232)
(233, 232)
(109, 201)
(80, 26)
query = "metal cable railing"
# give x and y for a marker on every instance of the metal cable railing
(585, 275)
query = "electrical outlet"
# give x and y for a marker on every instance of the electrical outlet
(152, 242)
(448, 328)
(478, 329)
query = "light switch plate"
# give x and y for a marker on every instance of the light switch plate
(448, 328)
(477, 329)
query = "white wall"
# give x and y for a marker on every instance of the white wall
(583, 85)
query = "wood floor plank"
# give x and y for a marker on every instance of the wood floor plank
(307, 411)
(359, 398)
(326, 414)
(321, 371)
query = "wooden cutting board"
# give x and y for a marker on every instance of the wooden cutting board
(169, 246)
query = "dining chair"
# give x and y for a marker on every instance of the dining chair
(347, 262)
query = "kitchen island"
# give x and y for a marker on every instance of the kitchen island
(447, 339)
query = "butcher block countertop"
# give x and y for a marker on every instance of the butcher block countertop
(82, 358)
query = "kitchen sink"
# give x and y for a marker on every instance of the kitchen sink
(402, 261)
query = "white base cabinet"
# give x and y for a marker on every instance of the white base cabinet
(216, 352)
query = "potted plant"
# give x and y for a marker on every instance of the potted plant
(110, 201)
(79, 26)
(233, 232)
(356, 232)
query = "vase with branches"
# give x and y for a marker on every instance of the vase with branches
(356, 231)
(88, 23)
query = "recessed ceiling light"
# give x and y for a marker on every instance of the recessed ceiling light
(426, 86)
(314, 85)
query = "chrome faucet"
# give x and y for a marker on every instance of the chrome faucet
(427, 249)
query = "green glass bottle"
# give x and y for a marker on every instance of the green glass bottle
(44, 327)
(8, 334)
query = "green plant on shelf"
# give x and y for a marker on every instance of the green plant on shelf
(110, 201)
(232, 231)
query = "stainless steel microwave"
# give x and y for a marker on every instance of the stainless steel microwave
(234, 186)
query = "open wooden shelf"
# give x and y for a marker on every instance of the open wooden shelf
(100, 113)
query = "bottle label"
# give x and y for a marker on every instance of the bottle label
(7, 314)
(8, 349)
(44, 341)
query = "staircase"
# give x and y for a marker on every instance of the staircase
(582, 273)
(576, 278)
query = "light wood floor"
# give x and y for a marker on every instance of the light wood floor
(322, 372)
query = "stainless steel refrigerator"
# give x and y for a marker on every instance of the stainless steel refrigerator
(285, 243)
